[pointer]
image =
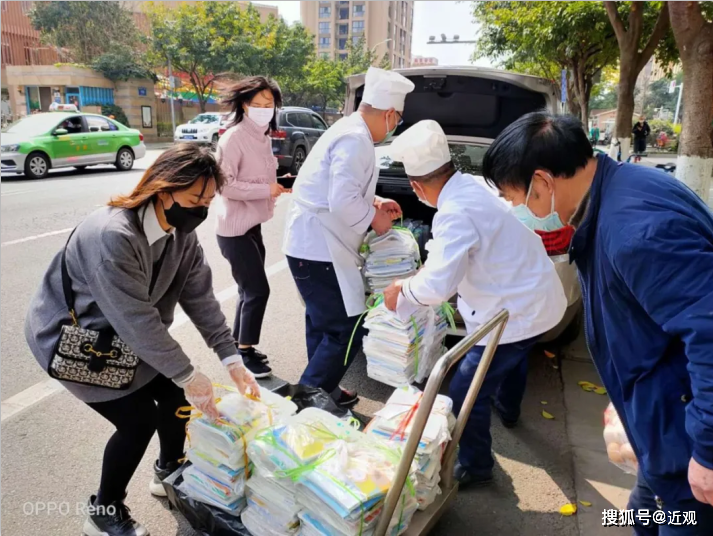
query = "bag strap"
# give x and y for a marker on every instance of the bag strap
(67, 281)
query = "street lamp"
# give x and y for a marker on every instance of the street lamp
(380, 43)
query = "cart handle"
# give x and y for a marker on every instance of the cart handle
(435, 380)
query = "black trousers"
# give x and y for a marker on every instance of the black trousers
(136, 417)
(246, 255)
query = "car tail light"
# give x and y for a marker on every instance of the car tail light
(278, 135)
(221, 131)
(141, 137)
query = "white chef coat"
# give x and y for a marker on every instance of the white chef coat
(335, 177)
(481, 251)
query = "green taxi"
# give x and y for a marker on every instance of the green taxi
(51, 140)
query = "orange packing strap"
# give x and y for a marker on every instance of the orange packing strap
(403, 425)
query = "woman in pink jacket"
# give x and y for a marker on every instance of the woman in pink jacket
(245, 203)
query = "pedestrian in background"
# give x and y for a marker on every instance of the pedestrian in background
(644, 250)
(246, 201)
(641, 132)
(124, 270)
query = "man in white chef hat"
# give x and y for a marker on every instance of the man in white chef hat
(484, 254)
(334, 204)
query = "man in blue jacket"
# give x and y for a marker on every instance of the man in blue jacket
(644, 249)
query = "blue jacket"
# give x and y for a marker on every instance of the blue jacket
(644, 251)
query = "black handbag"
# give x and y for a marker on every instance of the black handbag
(93, 357)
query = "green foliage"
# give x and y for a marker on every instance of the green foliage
(87, 29)
(164, 129)
(657, 96)
(548, 36)
(121, 64)
(117, 112)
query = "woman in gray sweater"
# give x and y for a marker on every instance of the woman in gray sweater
(130, 264)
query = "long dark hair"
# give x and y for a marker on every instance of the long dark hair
(243, 93)
(178, 168)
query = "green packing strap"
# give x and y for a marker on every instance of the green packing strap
(448, 311)
(372, 302)
(417, 342)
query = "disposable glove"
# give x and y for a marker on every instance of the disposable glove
(199, 392)
(243, 379)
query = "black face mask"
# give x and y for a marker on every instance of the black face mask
(185, 219)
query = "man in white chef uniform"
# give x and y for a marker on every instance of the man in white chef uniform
(481, 251)
(333, 207)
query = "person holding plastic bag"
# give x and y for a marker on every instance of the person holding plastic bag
(99, 323)
(480, 251)
(643, 245)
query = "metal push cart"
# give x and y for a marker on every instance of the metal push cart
(423, 522)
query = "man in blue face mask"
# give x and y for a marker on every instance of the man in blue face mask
(643, 245)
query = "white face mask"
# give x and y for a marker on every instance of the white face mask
(424, 201)
(261, 116)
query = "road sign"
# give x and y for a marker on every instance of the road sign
(564, 85)
(672, 86)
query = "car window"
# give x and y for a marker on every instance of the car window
(317, 122)
(298, 119)
(34, 124)
(467, 158)
(205, 119)
(100, 124)
(73, 125)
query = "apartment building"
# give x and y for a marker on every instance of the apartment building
(386, 26)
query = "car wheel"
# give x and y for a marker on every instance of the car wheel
(124, 159)
(297, 160)
(37, 165)
(80, 168)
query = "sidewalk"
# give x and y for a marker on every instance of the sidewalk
(596, 479)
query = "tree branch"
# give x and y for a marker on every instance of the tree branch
(660, 29)
(616, 21)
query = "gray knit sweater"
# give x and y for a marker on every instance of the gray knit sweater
(111, 263)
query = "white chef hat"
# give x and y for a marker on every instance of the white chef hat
(386, 89)
(423, 148)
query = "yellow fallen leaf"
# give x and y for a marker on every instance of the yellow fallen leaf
(549, 354)
(547, 415)
(585, 503)
(583, 383)
(543, 402)
(568, 509)
(600, 391)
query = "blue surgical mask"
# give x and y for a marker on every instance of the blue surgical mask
(390, 133)
(552, 222)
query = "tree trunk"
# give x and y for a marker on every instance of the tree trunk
(624, 109)
(694, 37)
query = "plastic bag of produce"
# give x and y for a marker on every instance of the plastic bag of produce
(618, 448)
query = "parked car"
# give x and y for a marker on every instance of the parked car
(44, 141)
(473, 105)
(203, 128)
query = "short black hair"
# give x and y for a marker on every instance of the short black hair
(538, 140)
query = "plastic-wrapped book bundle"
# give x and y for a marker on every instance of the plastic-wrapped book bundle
(340, 475)
(400, 351)
(394, 255)
(218, 450)
(272, 508)
(394, 423)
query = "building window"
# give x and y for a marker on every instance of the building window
(357, 26)
(359, 10)
(343, 29)
(323, 27)
(4, 6)
(342, 44)
(344, 13)
(401, 63)
(390, 11)
(324, 12)
(6, 53)
(26, 6)
(344, 3)
(343, 56)
(356, 39)
(325, 42)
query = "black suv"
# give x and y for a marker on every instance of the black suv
(298, 129)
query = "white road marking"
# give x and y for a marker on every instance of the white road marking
(36, 237)
(38, 392)
(16, 192)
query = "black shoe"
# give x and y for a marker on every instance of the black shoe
(466, 479)
(252, 352)
(507, 423)
(257, 367)
(346, 398)
(112, 520)
(156, 485)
